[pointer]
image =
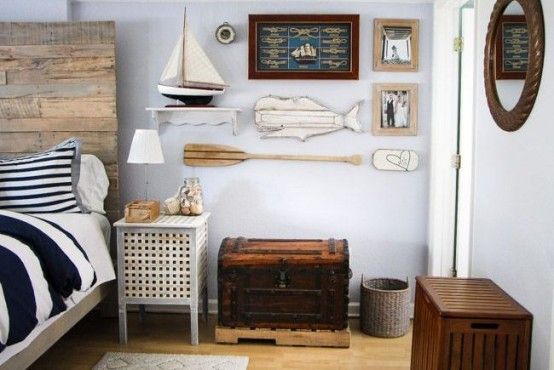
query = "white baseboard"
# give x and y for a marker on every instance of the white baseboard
(353, 308)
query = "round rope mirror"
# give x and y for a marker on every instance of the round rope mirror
(514, 50)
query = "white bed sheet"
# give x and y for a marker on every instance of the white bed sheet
(92, 231)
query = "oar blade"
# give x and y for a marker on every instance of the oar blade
(192, 147)
(209, 155)
(206, 162)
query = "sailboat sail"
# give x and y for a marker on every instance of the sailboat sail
(198, 67)
(198, 70)
(171, 75)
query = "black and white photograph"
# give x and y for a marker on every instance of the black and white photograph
(395, 109)
(395, 45)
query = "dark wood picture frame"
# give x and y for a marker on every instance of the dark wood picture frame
(350, 23)
(501, 44)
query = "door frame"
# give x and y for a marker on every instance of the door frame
(442, 198)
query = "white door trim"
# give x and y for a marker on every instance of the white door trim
(443, 138)
(552, 339)
(468, 103)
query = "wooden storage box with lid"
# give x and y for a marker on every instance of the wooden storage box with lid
(283, 284)
(468, 324)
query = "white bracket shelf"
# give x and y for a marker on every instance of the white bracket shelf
(179, 116)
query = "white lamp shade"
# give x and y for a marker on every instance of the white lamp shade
(146, 148)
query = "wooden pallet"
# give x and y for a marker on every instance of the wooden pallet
(286, 337)
(57, 80)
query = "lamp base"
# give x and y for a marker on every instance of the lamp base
(142, 211)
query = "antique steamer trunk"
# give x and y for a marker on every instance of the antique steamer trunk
(468, 324)
(288, 284)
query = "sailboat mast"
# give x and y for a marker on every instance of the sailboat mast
(183, 79)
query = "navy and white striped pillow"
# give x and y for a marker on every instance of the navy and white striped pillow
(43, 182)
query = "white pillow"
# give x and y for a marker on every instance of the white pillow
(93, 183)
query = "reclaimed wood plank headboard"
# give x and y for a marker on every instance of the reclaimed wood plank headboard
(57, 80)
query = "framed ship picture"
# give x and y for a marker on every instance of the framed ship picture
(395, 45)
(512, 48)
(303, 46)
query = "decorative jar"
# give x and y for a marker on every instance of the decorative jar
(190, 196)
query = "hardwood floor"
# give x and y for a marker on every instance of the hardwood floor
(87, 342)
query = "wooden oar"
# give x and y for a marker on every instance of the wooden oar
(209, 155)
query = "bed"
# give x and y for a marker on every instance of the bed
(93, 233)
(57, 81)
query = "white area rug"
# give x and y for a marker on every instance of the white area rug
(158, 361)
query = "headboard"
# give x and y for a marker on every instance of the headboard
(57, 80)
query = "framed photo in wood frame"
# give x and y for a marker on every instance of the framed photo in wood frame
(512, 48)
(395, 109)
(302, 46)
(395, 45)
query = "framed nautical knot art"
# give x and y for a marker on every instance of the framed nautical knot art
(395, 45)
(512, 48)
(303, 46)
(395, 109)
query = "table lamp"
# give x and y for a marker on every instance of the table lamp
(145, 149)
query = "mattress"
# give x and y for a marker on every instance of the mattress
(92, 231)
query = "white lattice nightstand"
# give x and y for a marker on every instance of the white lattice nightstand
(163, 263)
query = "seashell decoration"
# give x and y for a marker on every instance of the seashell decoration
(187, 201)
(172, 206)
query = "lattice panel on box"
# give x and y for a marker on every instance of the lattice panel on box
(202, 256)
(156, 264)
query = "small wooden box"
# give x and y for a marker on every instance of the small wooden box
(142, 211)
(283, 284)
(468, 324)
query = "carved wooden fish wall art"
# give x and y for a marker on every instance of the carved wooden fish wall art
(301, 117)
(395, 160)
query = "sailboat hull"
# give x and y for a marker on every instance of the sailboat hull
(191, 100)
(189, 96)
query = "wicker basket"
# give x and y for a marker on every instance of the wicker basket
(384, 307)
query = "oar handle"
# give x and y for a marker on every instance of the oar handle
(353, 159)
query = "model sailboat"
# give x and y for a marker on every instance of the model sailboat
(190, 76)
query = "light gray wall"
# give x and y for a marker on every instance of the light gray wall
(514, 205)
(34, 10)
(382, 214)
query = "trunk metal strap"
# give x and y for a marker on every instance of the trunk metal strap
(332, 246)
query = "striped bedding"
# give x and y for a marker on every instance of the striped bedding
(43, 182)
(40, 265)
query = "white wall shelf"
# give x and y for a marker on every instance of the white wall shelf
(254, 1)
(196, 116)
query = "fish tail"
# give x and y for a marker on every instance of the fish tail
(351, 119)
